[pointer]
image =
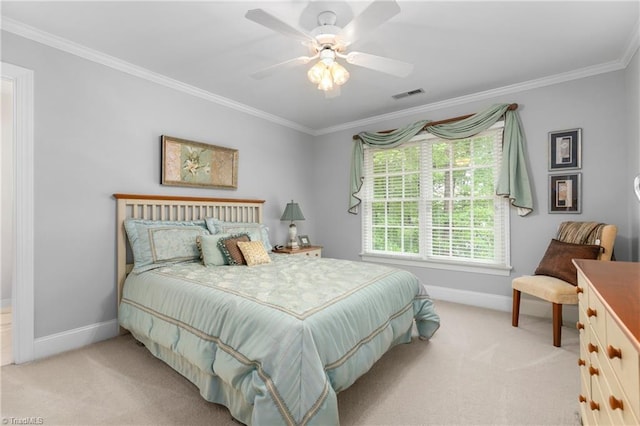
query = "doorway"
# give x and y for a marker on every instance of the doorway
(21, 193)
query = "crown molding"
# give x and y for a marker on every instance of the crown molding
(632, 46)
(487, 94)
(84, 52)
(68, 46)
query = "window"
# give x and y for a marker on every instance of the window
(433, 200)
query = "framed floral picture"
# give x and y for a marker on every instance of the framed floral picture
(189, 163)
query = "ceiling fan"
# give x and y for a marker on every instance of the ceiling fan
(328, 43)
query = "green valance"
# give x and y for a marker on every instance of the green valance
(513, 180)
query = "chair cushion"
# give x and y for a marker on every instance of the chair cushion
(548, 288)
(557, 260)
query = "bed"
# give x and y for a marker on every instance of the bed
(274, 342)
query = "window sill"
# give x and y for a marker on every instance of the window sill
(449, 266)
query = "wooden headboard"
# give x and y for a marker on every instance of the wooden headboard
(160, 207)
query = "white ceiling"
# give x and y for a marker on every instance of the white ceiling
(460, 50)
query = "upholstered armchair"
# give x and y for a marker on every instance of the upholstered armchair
(555, 278)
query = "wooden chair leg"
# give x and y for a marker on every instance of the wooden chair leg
(557, 324)
(515, 311)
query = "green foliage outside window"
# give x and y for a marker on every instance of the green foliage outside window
(453, 181)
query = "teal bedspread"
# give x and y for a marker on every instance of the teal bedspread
(275, 343)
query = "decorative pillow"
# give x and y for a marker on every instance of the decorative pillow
(557, 263)
(230, 250)
(157, 243)
(210, 252)
(257, 231)
(254, 252)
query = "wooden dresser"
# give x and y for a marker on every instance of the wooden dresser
(609, 326)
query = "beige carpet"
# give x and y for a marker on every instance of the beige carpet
(477, 370)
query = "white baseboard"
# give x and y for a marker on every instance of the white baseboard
(74, 339)
(528, 305)
(5, 303)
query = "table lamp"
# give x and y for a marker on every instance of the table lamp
(292, 213)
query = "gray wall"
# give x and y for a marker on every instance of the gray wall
(595, 104)
(97, 132)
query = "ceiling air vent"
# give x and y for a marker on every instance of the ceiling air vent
(409, 93)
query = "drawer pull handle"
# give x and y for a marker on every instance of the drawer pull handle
(579, 290)
(594, 406)
(614, 352)
(582, 398)
(579, 325)
(592, 348)
(594, 371)
(592, 312)
(615, 403)
(581, 362)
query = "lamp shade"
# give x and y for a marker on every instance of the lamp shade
(292, 212)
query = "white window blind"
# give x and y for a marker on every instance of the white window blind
(434, 200)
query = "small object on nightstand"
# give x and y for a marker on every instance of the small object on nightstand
(304, 241)
(311, 251)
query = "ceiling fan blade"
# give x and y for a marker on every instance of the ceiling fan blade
(369, 19)
(380, 63)
(266, 72)
(266, 19)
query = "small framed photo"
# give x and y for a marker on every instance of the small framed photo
(565, 149)
(565, 193)
(303, 240)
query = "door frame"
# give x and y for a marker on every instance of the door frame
(23, 299)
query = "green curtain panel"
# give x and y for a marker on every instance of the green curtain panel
(513, 180)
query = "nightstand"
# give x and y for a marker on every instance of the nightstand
(312, 251)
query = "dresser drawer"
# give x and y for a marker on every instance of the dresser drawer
(583, 366)
(625, 362)
(312, 253)
(583, 290)
(617, 404)
(624, 417)
(583, 325)
(597, 317)
(597, 406)
(583, 400)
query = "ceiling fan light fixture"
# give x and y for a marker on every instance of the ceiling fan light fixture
(326, 83)
(329, 42)
(316, 72)
(339, 73)
(327, 72)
